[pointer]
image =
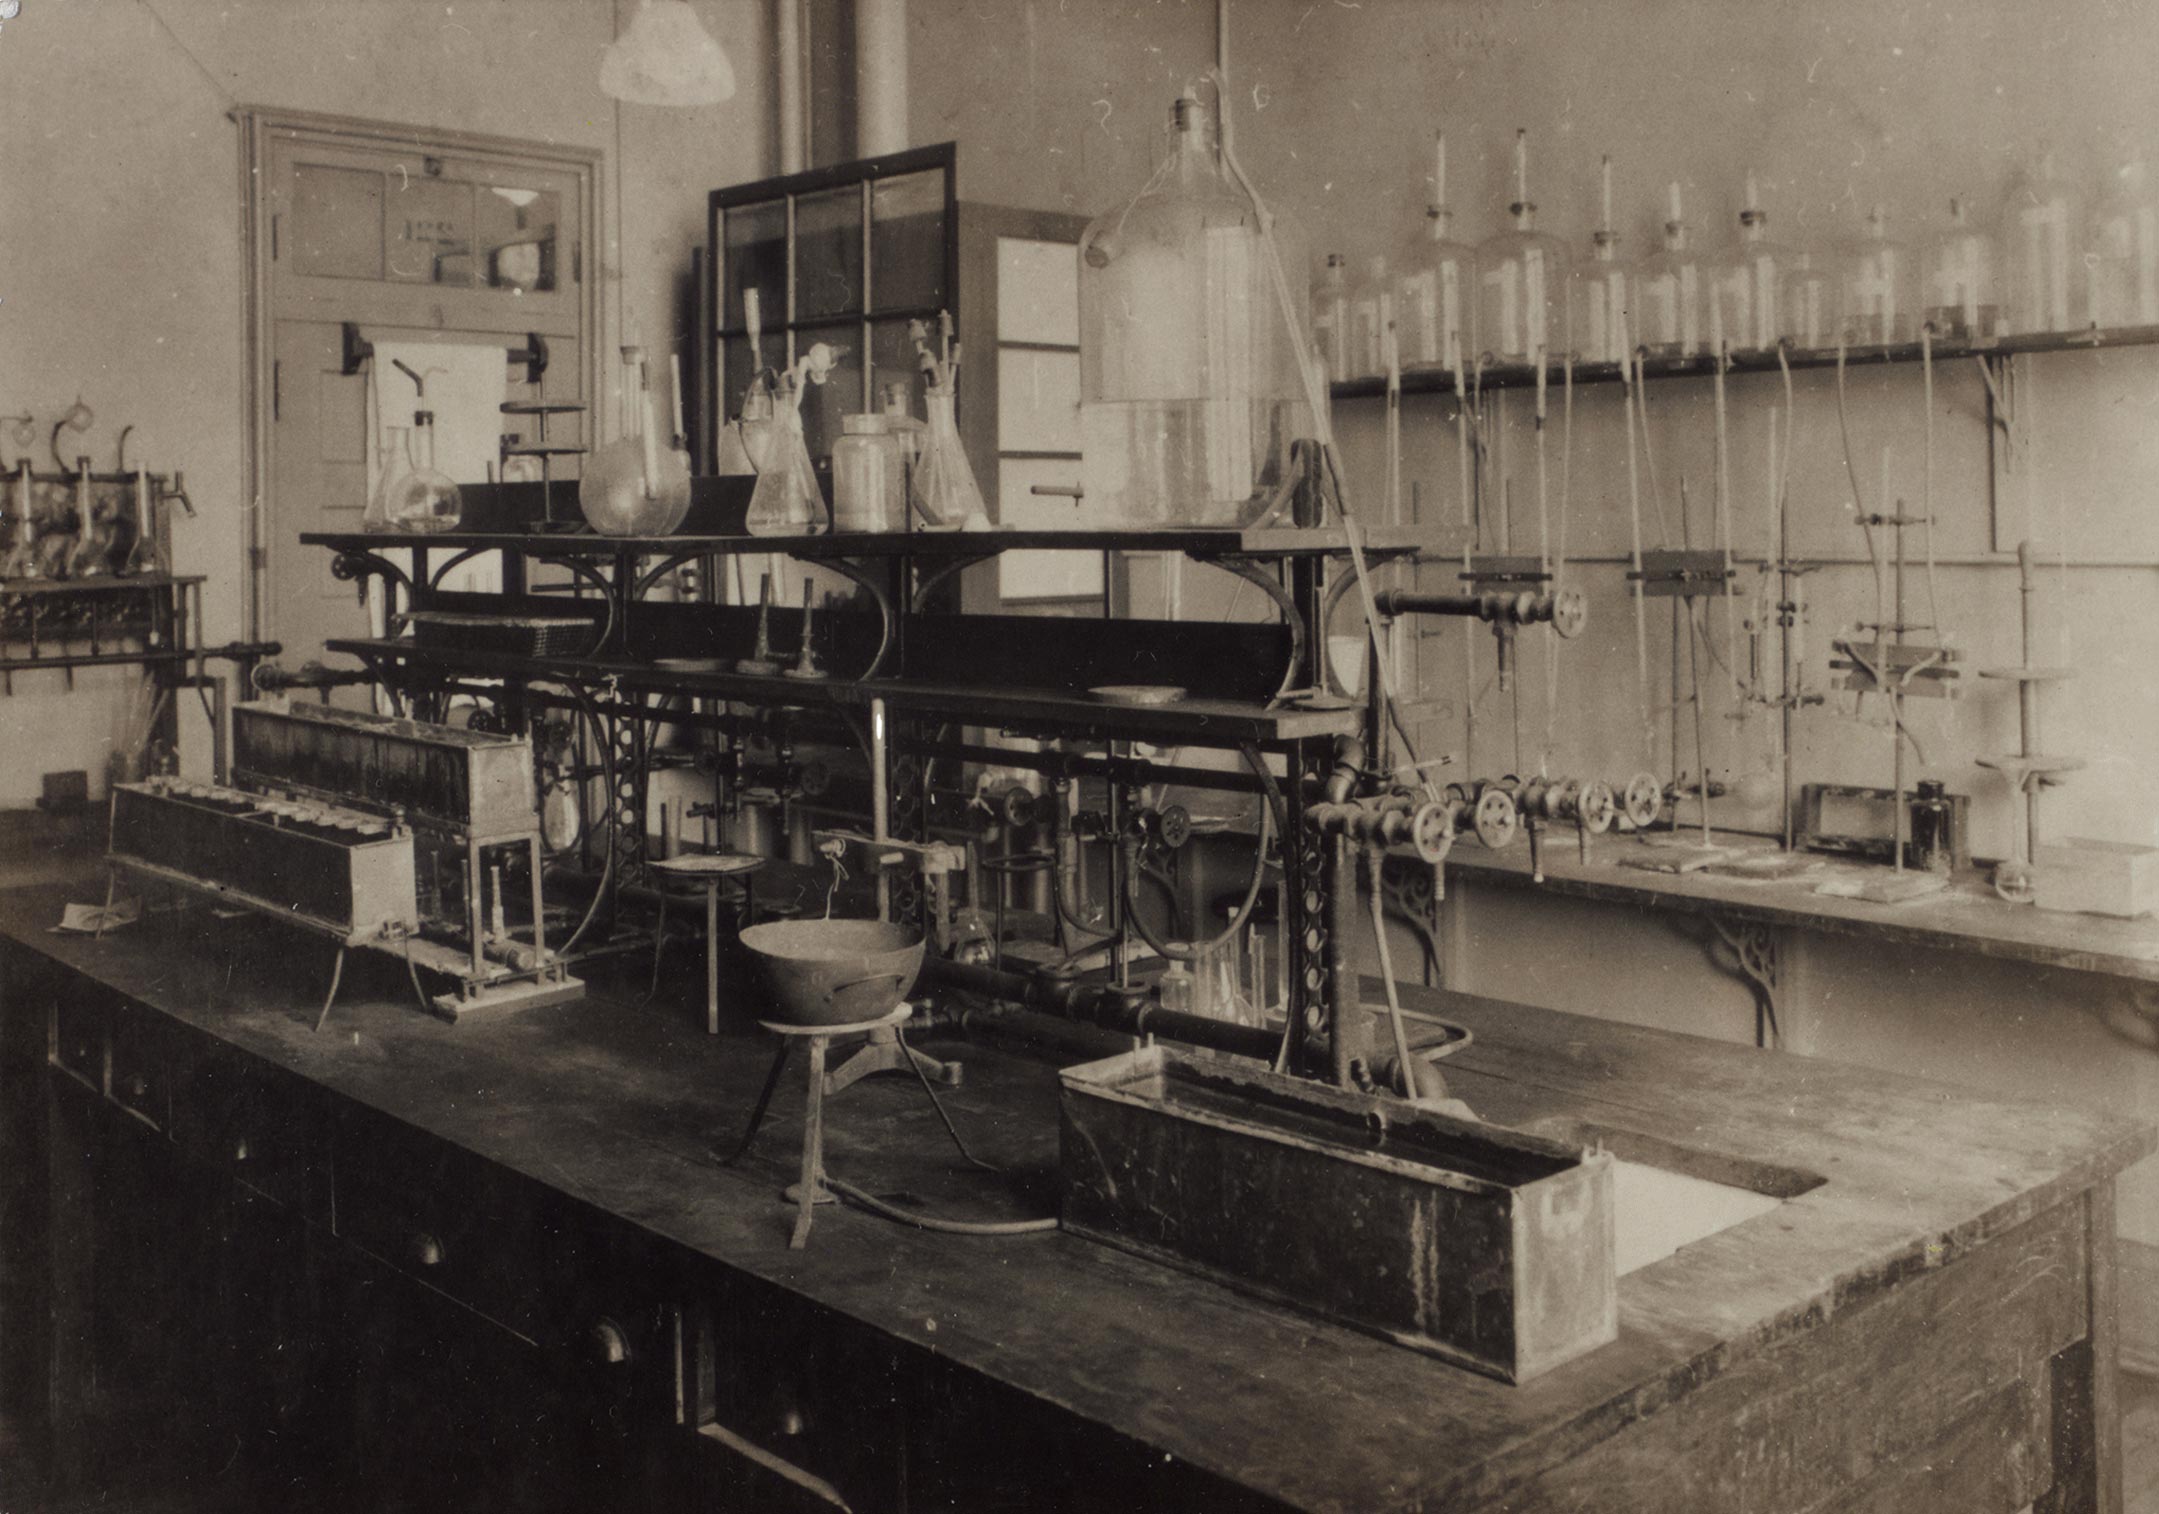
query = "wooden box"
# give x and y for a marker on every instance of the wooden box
(2117, 878)
(1485, 1246)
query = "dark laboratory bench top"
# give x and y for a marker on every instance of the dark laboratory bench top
(1793, 1324)
(1967, 916)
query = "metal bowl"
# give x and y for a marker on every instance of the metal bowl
(834, 972)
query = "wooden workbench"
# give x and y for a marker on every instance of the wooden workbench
(1929, 1326)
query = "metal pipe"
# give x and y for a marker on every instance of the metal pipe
(1127, 1012)
(880, 77)
(880, 800)
(1347, 1026)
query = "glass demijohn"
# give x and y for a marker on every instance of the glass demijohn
(1599, 301)
(1371, 312)
(1330, 316)
(1962, 299)
(1812, 297)
(1432, 323)
(1522, 281)
(1747, 296)
(1880, 305)
(2123, 253)
(1191, 383)
(2042, 252)
(1670, 293)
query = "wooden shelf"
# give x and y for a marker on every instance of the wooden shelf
(1195, 722)
(1270, 542)
(1524, 375)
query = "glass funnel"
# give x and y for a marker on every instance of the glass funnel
(1191, 382)
(1670, 293)
(2042, 251)
(1330, 316)
(1962, 299)
(1880, 302)
(2123, 252)
(1433, 325)
(1522, 281)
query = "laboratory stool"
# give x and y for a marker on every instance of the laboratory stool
(811, 1191)
(706, 871)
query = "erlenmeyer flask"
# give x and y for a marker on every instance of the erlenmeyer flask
(787, 501)
(942, 488)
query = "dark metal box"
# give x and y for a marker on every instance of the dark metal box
(1486, 1246)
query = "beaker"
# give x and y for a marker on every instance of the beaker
(1670, 290)
(1433, 296)
(787, 501)
(1193, 328)
(942, 486)
(1962, 300)
(2041, 241)
(1880, 304)
(2123, 254)
(1330, 316)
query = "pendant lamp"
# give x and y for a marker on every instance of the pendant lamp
(666, 57)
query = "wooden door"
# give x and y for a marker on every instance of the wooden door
(404, 239)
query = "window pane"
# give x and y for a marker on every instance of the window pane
(828, 253)
(336, 222)
(518, 238)
(431, 232)
(907, 242)
(893, 361)
(755, 241)
(840, 394)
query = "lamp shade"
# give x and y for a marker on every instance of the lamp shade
(666, 57)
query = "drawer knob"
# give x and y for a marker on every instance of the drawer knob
(426, 1250)
(610, 1343)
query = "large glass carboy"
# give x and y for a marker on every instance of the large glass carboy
(2124, 252)
(1671, 293)
(1330, 316)
(1433, 296)
(1747, 288)
(2042, 251)
(1880, 306)
(1190, 384)
(1961, 294)
(1522, 281)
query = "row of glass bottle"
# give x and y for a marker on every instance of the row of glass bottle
(2048, 268)
(884, 464)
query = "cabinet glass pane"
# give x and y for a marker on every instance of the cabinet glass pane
(754, 238)
(431, 233)
(518, 238)
(828, 253)
(336, 230)
(907, 242)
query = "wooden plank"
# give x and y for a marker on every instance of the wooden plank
(2138, 1290)
(1793, 1427)
(2087, 1405)
(1986, 1463)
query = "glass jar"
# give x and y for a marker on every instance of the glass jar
(1330, 316)
(1598, 306)
(1961, 293)
(2042, 251)
(2122, 254)
(1746, 289)
(1433, 326)
(1371, 312)
(1670, 292)
(1191, 378)
(869, 477)
(1880, 301)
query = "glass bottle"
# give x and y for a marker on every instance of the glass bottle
(1812, 295)
(1746, 288)
(787, 500)
(1522, 281)
(2042, 252)
(2123, 252)
(1371, 312)
(869, 479)
(21, 560)
(1670, 290)
(1191, 377)
(1432, 307)
(1175, 987)
(1330, 316)
(942, 486)
(1963, 303)
(1597, 305)
(1880, 304)
(423, 501)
